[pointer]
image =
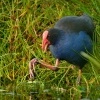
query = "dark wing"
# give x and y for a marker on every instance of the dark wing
(76, 24)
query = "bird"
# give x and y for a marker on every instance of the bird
(70, 36)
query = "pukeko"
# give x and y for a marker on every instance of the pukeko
(70, 36)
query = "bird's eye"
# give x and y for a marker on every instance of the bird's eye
(48, 35)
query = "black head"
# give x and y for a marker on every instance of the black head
(50, 37)
(54, 35)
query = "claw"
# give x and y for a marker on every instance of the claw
(35, 61)
(32, 64)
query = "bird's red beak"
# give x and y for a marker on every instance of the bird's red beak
(45, 41)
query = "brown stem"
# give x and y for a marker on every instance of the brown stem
(79, 77)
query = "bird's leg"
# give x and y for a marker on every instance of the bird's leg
(32, 67)
(44, 64)
(57, 63)
(79, 77)
(34, 61)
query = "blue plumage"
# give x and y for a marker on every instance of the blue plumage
(69, 46)
(76, 24)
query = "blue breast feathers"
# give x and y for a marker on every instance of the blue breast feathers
(69, 46)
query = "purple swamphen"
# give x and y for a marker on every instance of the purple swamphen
(70, 36)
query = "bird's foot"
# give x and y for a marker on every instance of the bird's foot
(32, 64)
(35, 61)
(46, 65)
(55, 68)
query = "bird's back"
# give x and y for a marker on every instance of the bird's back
(76, 24)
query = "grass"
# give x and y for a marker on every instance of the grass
(22, 23)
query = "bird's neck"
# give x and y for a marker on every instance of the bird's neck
(57, 37)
